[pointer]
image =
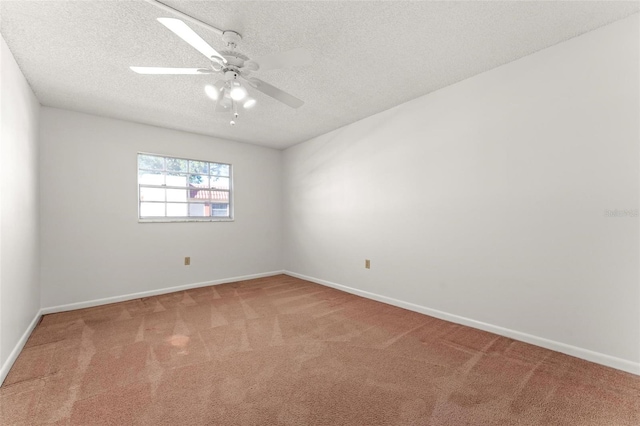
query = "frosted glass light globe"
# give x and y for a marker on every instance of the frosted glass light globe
(238, 92)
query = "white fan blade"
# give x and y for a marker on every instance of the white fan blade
(293, 58)
(183, 31)
(275, 93)
(161, 70)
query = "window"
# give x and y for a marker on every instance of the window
(179, 189)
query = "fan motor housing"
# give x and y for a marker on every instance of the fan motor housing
(234, 59)
(230, 74)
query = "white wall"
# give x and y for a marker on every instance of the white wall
(19, 281)
(485, 200)
(91, 242)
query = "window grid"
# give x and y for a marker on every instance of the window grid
(195, 178)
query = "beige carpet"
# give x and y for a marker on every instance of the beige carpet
(280, 350)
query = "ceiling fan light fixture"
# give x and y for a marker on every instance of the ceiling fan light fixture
(227, 92)
(237, 92)
(212, 92)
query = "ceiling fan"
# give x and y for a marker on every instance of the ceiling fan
(231, 90)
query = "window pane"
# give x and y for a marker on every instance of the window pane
(176, 179)
(199, 181)
(220, 182)
(151, 209)
(176, 164)
(151, 178)
(219, 196)
(179, 195)
(198, 210)
(199, 167)
(150, 162)
(177, 209)
(151, 194)
(218, 169)
(198, 194)
(219, 210)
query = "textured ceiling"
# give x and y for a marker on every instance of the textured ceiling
(369, 56)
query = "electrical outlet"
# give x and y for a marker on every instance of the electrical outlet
(367, 263)
(187, 261)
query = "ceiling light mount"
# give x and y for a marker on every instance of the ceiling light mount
(231, 38)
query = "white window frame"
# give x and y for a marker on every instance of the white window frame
(161, 219)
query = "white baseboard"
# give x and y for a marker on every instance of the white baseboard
(6, 366)
(131, 296)
(586, 354)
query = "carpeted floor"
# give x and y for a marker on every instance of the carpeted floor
(281, 350)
